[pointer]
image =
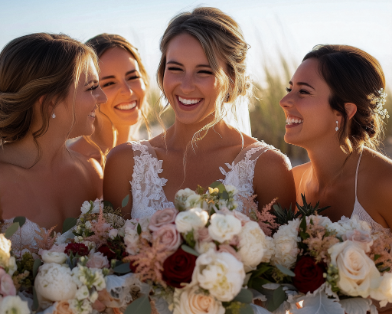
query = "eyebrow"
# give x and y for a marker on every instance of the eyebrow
(302, 83)
(112, 76)
(198, 66)
(91, 81)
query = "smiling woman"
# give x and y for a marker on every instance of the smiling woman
(125, 82)
(201, 74)
(43, 102)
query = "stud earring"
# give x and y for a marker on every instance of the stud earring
(53, 115)
(337, 126)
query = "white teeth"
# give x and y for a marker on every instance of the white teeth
(126, 106)
(292, 120)
(92, 114)
(188, 101)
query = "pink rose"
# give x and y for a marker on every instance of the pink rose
(202, 235)
(168, 235)
(97, 260)
(162, 217)
(229, 249)
(240, 216)
(7, 286)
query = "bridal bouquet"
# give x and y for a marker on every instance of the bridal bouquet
(328, 267)
(196, 256)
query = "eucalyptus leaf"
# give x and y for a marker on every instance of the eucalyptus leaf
(261, 270)
(285, 270)
(257, 283)
(11, 230)
(319, 303)
(36, 265)
(20, 219)
(246, 309)
(139, 306)
(125, 201)
(122, 268)
(69, 223)
(35, 301)
(245, 296)
(189, 250)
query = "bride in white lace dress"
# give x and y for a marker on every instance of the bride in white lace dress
(201, 74)
(334, 109)
(48, 92)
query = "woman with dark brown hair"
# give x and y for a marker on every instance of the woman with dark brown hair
(125, 82)
(334, 109)
(48, 90)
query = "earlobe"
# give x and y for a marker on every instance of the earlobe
(351, 110)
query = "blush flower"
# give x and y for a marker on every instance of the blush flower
(169, 236)
(162, 217)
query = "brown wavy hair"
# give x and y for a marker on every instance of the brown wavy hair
(352, 75)
(32, 67)
(221, 38)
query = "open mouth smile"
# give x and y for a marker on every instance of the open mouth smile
(126, 106)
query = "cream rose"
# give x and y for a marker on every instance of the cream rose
(358, 274)
(252, 245)
(240, 216)
(384, 291)
(181, 197)
(169, 236)
(224, 227)
(193, 301)
(54, 257)
(162, 217)
(219, 273)
(192, 219)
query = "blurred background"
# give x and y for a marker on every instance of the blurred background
(280, 33)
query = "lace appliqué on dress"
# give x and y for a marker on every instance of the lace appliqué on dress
(147, 192)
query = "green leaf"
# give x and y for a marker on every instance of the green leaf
(122, 268)
(376, 256)
(257, 283)
(125, 201)
(20, 219)
(139, 229)
(279, 297)
(11, 230)
(189, 250)
(36, 265)
(107, 204)
(35, 301)
(285, 270)
(190, 239)
(224, 195)
(139, 306)
(69, 223)
(274, 298)
(246, 309)
(259, 271)
(245, 296)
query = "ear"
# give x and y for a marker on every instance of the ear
(351, 109)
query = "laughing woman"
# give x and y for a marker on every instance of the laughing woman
(201, 74)
(125, 82)
(334, 109)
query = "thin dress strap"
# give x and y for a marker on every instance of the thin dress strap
(356, 176)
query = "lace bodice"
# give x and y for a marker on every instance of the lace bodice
(147, 186)
(24, 238)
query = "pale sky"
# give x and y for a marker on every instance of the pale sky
(293, 27)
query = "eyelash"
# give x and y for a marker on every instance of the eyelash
(174, 69)
(93, 87)
(133, 77)
(288, 89)
(301, 91)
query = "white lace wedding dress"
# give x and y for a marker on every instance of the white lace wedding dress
(147, 185)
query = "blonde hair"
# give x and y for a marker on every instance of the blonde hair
(32, 67)
(221, 39)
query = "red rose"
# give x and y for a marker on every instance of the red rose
(76, 248)
(107, 251)
(308, 274)
(178, 268)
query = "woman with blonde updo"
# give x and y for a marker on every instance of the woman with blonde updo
(334, 109)
(48, 90)
(125, 82)
(202, 73)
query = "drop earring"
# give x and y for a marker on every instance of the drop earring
(53, 115)
(337, 126)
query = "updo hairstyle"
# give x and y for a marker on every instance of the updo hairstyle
(103, 42)
(221, 39)
(352, 76)
(33, 66)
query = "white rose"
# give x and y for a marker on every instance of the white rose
(219, 273)
(224, 227)
(231, 188)
(113, 233)
(86, 206)
(286, 244)
(54, 283)
(384, 291)
(193, 301)
(252, 245)
(358, 274)
(181, 197)
(269, 250)
(14, 305)
(54, 257)
(193, 200)
(203, 247)
(192, 219)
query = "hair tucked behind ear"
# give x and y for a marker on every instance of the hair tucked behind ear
(221, 39)
(352, 76)
(37, 67)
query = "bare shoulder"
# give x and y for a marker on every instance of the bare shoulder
(121, 154)
(299, 170)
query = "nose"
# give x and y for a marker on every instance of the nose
(187, 84)
(100, 96)
(286, 101)
(125, 88)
